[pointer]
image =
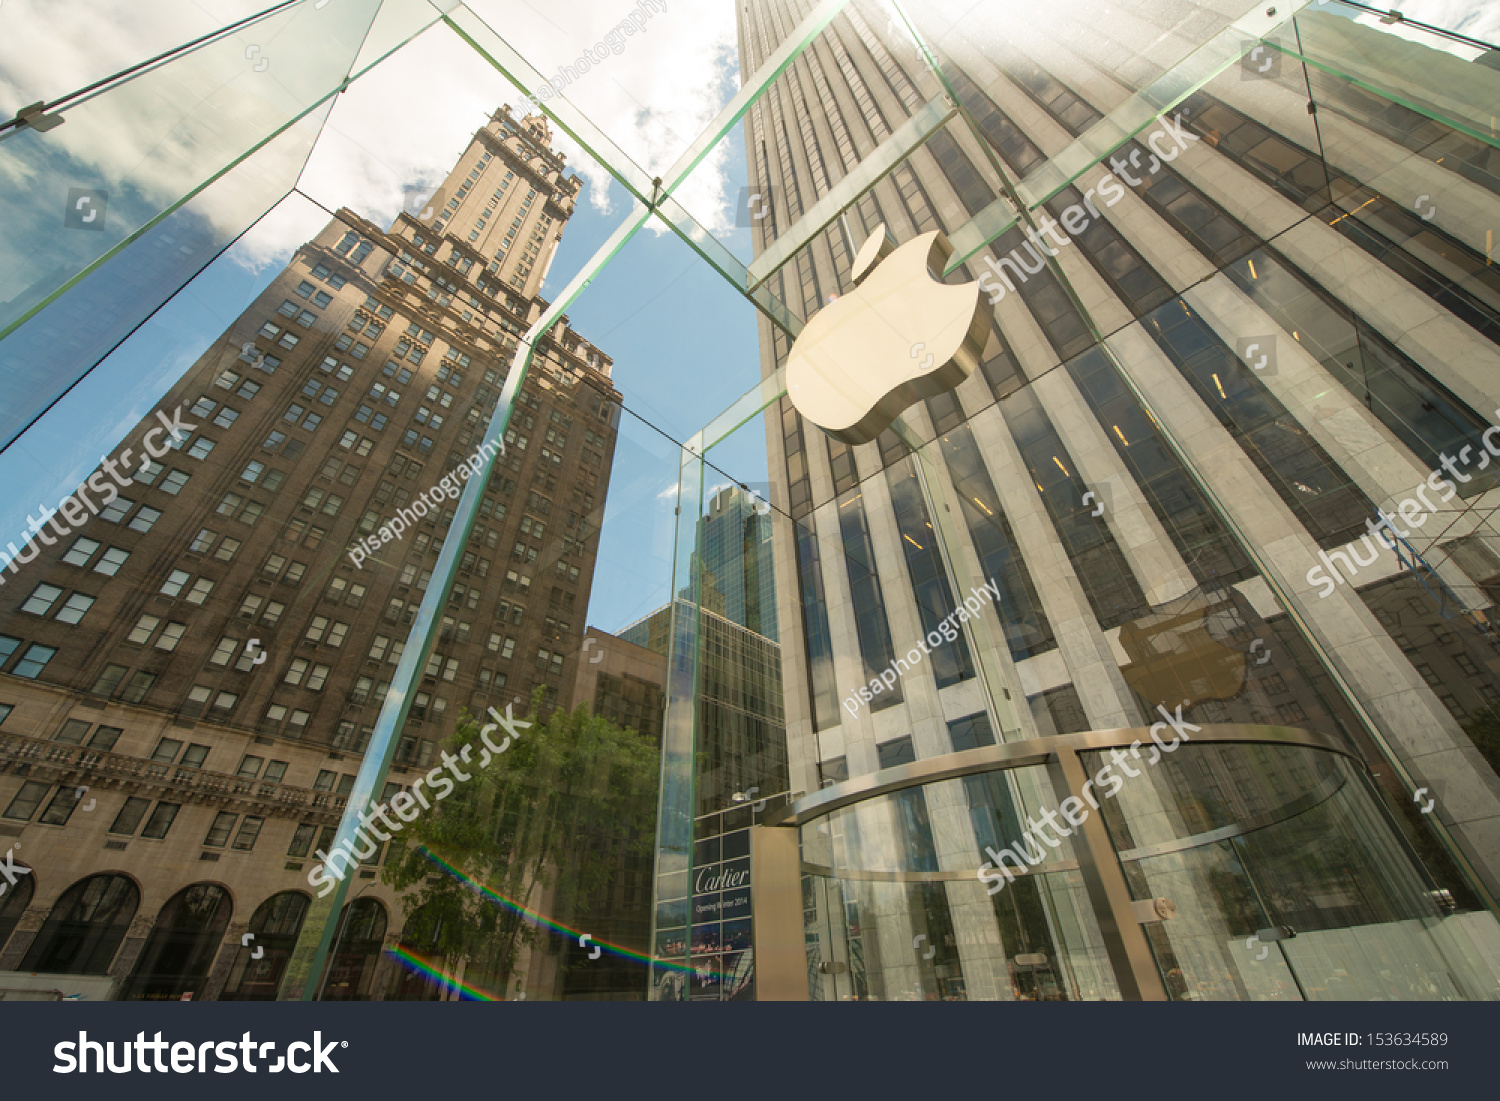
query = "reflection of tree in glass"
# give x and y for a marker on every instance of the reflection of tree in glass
(1484, 731)
(549, 824)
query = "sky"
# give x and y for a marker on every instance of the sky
(682, 340)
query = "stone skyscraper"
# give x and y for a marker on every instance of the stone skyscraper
(207, 655)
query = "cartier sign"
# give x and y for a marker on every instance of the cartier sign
(723, 880)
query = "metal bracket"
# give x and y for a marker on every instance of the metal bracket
(34, 117)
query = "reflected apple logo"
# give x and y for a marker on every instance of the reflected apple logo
(900, 335)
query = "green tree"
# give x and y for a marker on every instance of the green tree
(562, 807)
(1484, 731)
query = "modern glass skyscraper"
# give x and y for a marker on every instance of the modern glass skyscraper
(735, 567)
(1222, 463)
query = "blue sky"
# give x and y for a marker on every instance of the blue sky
(683, 341)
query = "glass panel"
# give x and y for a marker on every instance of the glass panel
(900, 907)
(1287, 885)
(194, 148)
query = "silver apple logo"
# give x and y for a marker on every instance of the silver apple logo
(899, 336)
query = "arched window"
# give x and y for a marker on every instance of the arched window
(358, 952)
(420, 937)
(13, 904)
(85, 928)
(276, 924)
(182, 945)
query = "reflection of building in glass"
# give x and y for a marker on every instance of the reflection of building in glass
(625, 684)
(741, 733)
(741, 759)
(204, 657)
(622, 681)
(734, 561)
(1289, 348)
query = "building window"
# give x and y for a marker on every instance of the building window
(105, 737)
(897, 752)
(41, 600)
(302, 839)
(80, 552)
(170, 636)
(161, 820)
(244, 841)
(166, 750)
(74, 608)
(218, 833)
(23, 805)
(108, 680)
(111, 560)
(116, 510)
(34, 661)
(196, 699)
(129, 818)
(72, 732)
(63, 804)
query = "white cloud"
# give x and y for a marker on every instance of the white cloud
(653, 98)
(1476, 20)
(404, 122)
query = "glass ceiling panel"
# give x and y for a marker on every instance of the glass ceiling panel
(49, 51)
